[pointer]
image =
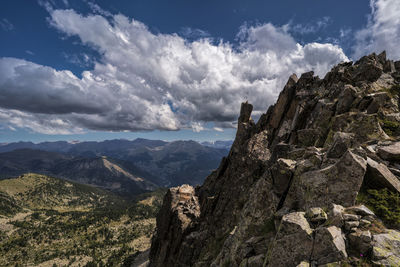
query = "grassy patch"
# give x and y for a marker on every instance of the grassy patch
(390, 127)
(384, 203)
(394, 90)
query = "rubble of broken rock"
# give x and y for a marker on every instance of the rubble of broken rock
(288, 193)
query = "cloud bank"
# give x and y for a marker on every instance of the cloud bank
(147, 81)
(382, 31)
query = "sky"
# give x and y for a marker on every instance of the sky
(170, 70)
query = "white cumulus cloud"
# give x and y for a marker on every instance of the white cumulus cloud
(147, 81)
(382, 31)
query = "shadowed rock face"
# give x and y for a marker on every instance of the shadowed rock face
(179, 210)
(312, 151)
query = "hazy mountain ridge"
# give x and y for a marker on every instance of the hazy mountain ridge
(77, 147)
(99, 171)
(218, 144)
(119, 165)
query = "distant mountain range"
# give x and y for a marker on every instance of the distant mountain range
(123, 166)
(219, 144)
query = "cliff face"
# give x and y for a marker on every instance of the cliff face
(286, 194)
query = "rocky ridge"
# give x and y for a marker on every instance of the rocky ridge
(286, 194)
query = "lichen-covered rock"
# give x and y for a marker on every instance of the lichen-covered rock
(316, 215)
(255, 228)
(366, 127)
(369, 69)
(386, 249)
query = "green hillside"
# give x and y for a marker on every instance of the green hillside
(46, 221)
(36, 191)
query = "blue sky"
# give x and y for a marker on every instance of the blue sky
(94, 70)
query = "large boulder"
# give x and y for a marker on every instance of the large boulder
(329, 245)
(361, 210)
(346, 98)
(341, 143)
(338, 183)
(360, 241)
(390, 152)
(379, 176)
(365, 127)
(378, 100)
(293, 243)
(282, 173)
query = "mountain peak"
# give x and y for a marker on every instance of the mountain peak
(291, 190)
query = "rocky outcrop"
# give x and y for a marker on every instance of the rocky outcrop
(180, 208)
(286, 194)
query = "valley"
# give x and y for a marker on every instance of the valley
(45, 221)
